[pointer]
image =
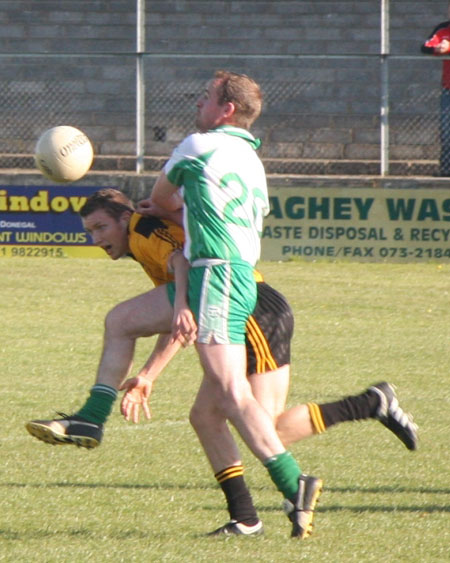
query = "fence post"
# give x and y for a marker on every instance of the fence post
(140, 85)
(384, 78)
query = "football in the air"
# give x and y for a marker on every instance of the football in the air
(63, 154)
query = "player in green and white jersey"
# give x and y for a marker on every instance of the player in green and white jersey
(222, 184)
(224, 223)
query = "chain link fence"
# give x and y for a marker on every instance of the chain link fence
(321, 114)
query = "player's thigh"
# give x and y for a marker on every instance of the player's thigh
(224, 367)
(270, 389)
(225, 387)
(144, 315)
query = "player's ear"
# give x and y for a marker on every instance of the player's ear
(228, 109)
(125, 217)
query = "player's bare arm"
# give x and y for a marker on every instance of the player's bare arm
(138, 389)
(165, 194)
(184, 327)
(147, 207)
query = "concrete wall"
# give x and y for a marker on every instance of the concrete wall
(214, 27)
(319, 108)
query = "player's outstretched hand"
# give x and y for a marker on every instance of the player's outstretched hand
(184, 327)
(137, 392)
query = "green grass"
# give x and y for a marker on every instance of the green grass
(148, 494)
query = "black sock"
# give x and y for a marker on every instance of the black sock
(353, 407)
(239, 500)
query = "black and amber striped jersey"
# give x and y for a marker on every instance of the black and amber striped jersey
(152, 241)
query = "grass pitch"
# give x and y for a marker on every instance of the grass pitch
(148, 494)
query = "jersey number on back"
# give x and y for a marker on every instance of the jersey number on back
(231, 210)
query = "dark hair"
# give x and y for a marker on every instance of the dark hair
(243, 92)
(113, 202)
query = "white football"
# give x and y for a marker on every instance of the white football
(63, 154)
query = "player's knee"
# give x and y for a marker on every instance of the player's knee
(200, 417)
(195, 417)
(116, 320)
(281, 431)
(208, 414)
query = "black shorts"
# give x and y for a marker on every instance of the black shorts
(269, 331)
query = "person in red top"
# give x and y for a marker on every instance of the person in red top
(438, 43)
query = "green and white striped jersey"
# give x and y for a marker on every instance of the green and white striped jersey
(224, 188)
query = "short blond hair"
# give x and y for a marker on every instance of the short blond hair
(243, 92)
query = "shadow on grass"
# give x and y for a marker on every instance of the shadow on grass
(129, 486)
(213, 486)
(422, 508)
(388, 489)
(71, 533)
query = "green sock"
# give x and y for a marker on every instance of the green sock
(99, 404)
(284, 472)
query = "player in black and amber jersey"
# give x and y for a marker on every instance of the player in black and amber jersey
(152, 241)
